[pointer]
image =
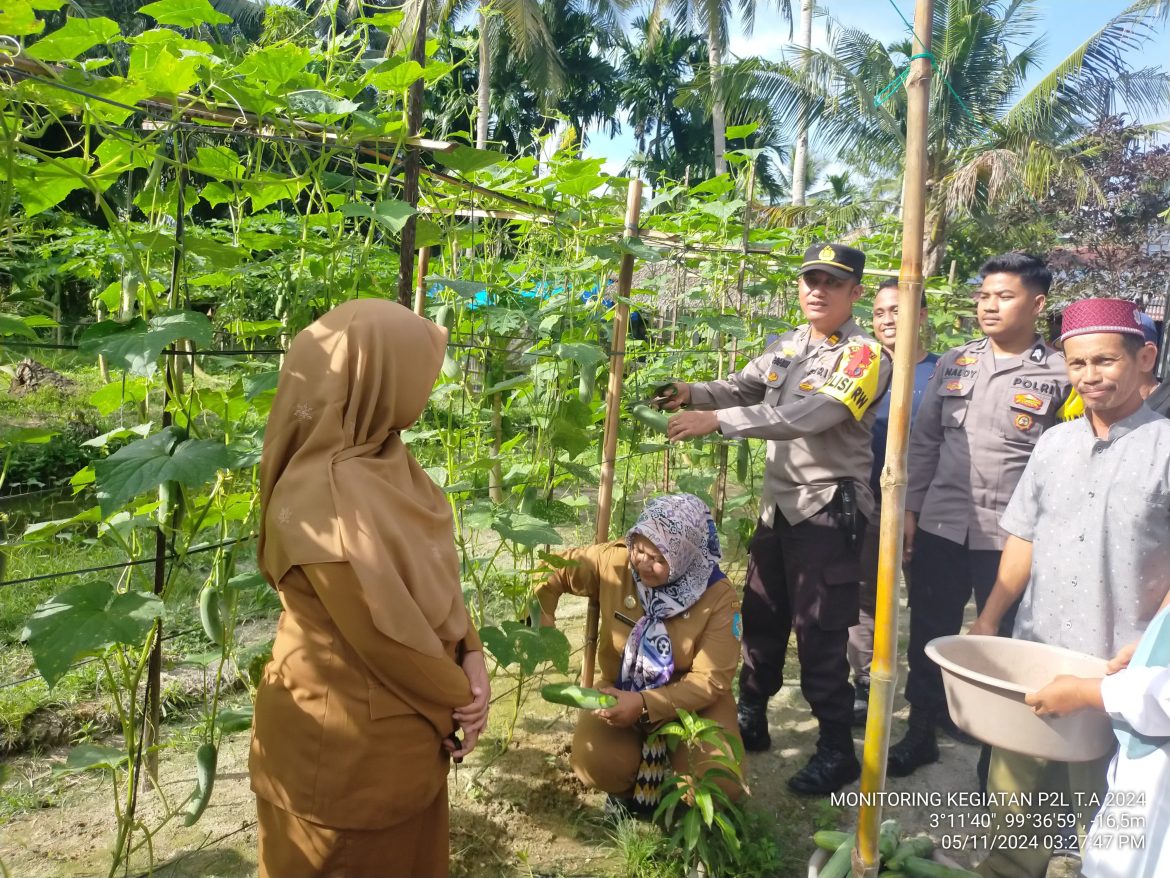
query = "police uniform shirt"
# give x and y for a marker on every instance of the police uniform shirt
(813, 401)
(978, 424)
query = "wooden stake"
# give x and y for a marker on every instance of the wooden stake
(883, 672)
(414, 113)
(613, 407)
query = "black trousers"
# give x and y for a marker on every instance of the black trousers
(801, 577)
(943, 576)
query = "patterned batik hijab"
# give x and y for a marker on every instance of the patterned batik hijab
(681, 528)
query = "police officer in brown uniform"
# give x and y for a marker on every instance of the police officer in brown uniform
(984, 408)
(811, 394)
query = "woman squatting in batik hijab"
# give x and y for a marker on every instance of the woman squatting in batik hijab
(375, 663)
(669, 641)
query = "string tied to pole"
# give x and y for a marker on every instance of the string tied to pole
(889, 90)
(886, 93)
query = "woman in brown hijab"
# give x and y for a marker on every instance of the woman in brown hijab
(375, 664)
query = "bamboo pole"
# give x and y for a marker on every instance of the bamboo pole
(420, 282)
(613, 407)
(883, 673)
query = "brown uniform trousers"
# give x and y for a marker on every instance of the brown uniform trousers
(706, 653)
(347, 761)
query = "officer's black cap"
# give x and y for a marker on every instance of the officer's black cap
(847, 263)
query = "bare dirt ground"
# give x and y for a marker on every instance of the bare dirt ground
(516, 811)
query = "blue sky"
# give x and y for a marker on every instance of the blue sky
(1066, 24)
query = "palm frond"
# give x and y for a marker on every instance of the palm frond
(1058, 98)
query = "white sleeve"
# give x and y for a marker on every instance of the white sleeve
(1139, 697)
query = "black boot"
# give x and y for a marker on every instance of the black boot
(952, 731)
(918, 748)
(860, 701)
(833, 765)
(753, 724)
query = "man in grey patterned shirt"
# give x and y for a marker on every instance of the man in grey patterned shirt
(1088, 550)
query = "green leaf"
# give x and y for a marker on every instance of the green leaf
(264, 382)
(581, 353)
(267, 192)
(735, 132)
(468, 289)
(116, 394)
(26, 436)
(427, 233)
(722, 210)
(466, 159)
(184, 13)
(720, 185)
(10, 324)
(147, 463)
(526, 530)
(386, 21)
(312, 102)
(159, 59)
(85, 620)
(217, 193)
(46, 184)
(274, 65)
(569, 436)
(136, 346)
(389, 213)
(514, 643)
(517, 381)
(636, 248)
(92, 757)
(18, 17)
(398, 78)
(218, 162)
(581, 186)
(77, 35)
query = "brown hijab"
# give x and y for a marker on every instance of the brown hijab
(338, 484)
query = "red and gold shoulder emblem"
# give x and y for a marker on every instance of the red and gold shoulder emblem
(1029, 401)
(1023, 422)
(966, 360)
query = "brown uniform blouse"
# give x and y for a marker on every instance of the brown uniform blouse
(349, 723)
(706, 648)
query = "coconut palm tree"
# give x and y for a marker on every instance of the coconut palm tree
(997, 140)
(712, 18)
(651, 75)
(526, 26)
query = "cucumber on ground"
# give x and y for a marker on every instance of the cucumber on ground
(572, 695)
(917, 867)
(829, 839)
(920, 846)
(888, 838)
(209, 614)
(205, 761)
(841, 863)
(649, 417)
